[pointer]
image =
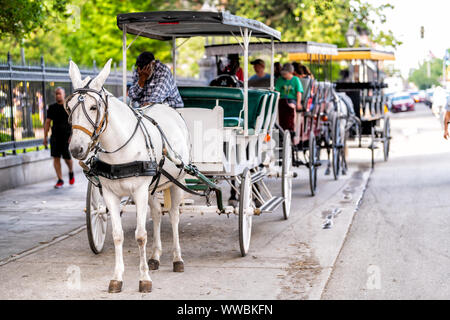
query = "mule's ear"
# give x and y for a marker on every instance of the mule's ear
(99, 80)
(75, 75)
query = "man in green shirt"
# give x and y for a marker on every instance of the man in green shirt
(291, 90)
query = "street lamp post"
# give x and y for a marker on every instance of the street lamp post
(350, 35)
(350, 38)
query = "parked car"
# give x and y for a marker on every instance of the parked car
(415, 96)
(402, 102)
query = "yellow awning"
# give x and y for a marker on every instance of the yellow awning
(363, 54)
(306, 57)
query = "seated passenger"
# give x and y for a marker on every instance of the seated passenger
(259, 66)
(233, 67)
(277, 70)
(297, 71)
(291, 90)
(260, 79)
(304, 72)
(153, 83)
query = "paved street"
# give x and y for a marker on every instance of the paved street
(399, 245)
(34, 215)
(396, 244)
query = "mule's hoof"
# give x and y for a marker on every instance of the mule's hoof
(115, 286)
(178, 266)
(145, 286)
(153, 264)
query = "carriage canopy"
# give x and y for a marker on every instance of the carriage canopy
(363, 54)
(302, 47)
(164, 25)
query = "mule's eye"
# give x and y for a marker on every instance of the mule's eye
(93, 108)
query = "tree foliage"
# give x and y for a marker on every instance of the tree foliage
(86, 30)
(420, 76)
(19, 18)
(316, 20)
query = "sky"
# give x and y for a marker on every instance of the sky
(405, 21)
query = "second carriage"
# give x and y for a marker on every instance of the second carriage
(317, 125)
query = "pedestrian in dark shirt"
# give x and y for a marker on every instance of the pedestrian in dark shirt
(59, 141)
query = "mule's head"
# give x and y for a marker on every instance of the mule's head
(87, 109)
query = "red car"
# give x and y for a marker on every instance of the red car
(402, 102)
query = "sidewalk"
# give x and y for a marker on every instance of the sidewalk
(35, 214)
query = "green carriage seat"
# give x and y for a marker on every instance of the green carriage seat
(230, 99)
(272, 117)
(256, 103)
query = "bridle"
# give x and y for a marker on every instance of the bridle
(99, 125)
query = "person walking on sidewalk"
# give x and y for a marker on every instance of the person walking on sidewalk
(59, 141)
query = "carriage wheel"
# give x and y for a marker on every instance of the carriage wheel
(245, 216)
(386, 138)
(286, 174)
(337, 148)
(96, 218)
(312, 163)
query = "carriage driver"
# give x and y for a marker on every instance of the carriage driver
(153, 83)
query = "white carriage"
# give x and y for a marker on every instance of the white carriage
(232, 130)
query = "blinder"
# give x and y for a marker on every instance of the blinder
(99, 125)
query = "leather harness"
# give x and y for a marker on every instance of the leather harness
(94, 167)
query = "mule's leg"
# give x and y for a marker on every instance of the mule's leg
(155, 210)
(176, 197)
(113, 204)
(140, 198)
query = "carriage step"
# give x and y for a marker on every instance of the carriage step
(271, 204)
(258, 176)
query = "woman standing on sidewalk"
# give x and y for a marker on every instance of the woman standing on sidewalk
(59, 141)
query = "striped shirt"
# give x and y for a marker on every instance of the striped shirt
(159, 88)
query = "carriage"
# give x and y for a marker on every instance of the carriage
(314, 127)
(364, 85)
(232, 130)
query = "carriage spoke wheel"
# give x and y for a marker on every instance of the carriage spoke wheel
(386, 138)
(312, 163)
(337, 148)
(245, 214)
(286, 174)
(96, 218)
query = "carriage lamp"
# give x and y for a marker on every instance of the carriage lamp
(350, 35)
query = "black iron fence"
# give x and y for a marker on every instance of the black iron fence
(26, 91)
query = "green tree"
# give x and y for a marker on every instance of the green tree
(19, 18)
(316, 20)
(86, 30)
(420, 76)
